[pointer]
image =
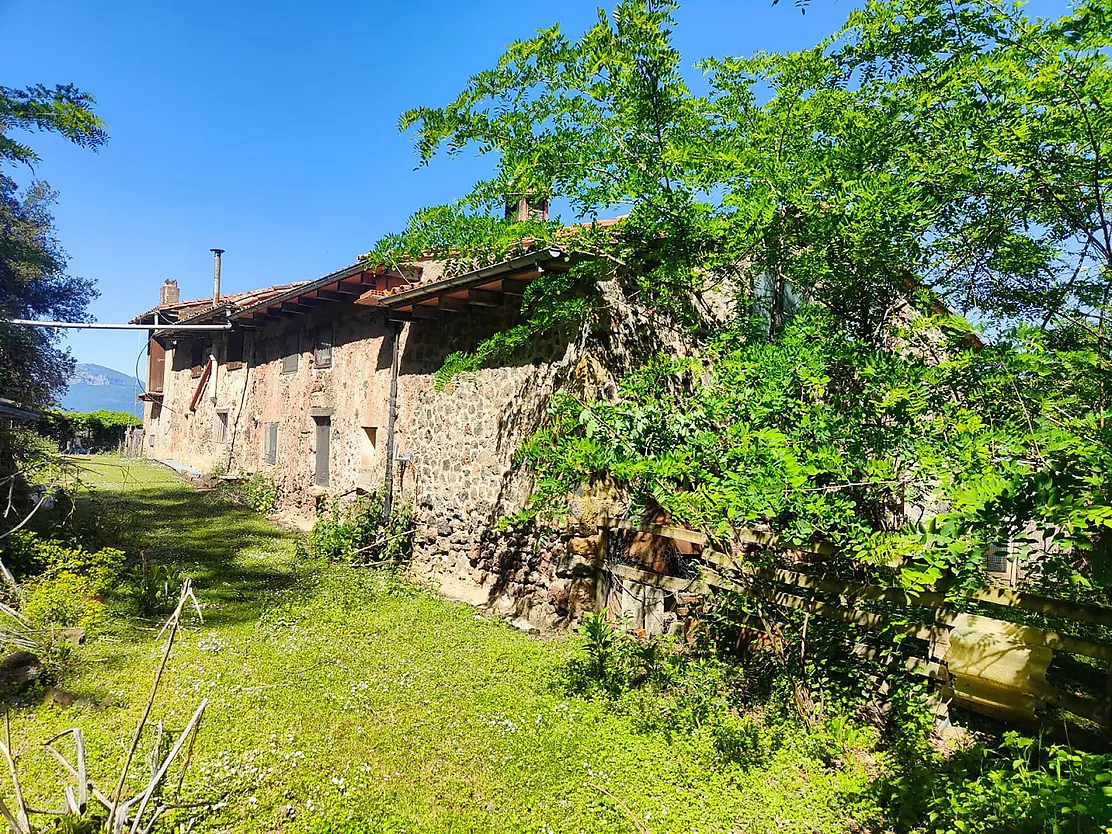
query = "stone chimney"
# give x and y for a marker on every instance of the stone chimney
(526, 208)
(168, 293)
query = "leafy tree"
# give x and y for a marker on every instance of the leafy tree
(33, 278)
(931, 155)
(34, 284)
(65, 110)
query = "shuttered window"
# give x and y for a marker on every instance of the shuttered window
(322, 350)
(324, 443)
(291, 347)
(270, 452)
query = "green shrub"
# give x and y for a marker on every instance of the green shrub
(258, 492)
(23, 554)
(63, 600)
(98, 431)
(261, 494)
(154, 589)
(1023, 787)
(359, 532)
(28, 554)
(599, 639)
(67, 583)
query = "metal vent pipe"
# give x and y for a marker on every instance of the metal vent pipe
(216, 253)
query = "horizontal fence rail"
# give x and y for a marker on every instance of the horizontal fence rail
(992, 665)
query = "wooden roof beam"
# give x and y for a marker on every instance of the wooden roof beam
(425, 311)
(336, 295)
(485, 298)
(454, 305)
(514, 286)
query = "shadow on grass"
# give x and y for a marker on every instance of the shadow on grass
(236, 558)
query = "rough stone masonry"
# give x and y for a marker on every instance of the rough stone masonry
(301, 395)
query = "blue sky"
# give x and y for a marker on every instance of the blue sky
(269, 129)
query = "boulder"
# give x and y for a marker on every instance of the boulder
(19, 670)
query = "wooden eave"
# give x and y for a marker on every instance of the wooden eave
(485, 288)
(342, 287)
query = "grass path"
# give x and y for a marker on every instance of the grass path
(339, 693)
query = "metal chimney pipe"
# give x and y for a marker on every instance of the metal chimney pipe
(216, 253)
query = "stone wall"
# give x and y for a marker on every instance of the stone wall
(455, 446)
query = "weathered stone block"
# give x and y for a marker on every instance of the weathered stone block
(558, 599)
(567, 565)
(583, 546)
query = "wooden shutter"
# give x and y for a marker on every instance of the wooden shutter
(290, 350)
(324, 438)
(271, 450)
(156, 366)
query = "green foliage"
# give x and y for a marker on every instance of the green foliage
(154, 588)
(64, 109)
(33, 279)
(261, 493)
(63, 600)
(29, 464)
(28, 554)
(821, 436)
(358, 531)
(929, 152)
(97, 431)
(1025, 787)
(258, 492)
(66, 584)
(599, 637)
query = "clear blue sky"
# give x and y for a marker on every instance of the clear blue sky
(269, 129)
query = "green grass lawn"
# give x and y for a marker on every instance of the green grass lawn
(339, 692)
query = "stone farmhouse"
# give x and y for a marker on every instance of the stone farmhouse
(327, 388)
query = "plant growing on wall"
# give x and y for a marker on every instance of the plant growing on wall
(930, 156)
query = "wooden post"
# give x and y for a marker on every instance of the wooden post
(600, 562)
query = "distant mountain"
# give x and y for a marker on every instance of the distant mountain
(95, 387)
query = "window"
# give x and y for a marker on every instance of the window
(220, 427)
(775, 301)
(324, 438)
(322, 350)
(291, 347)
(234, 354)
(368, 446)
(198, 355)
(1002, 562)
(270, 450)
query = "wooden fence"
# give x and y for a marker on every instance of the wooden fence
(996, 665)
